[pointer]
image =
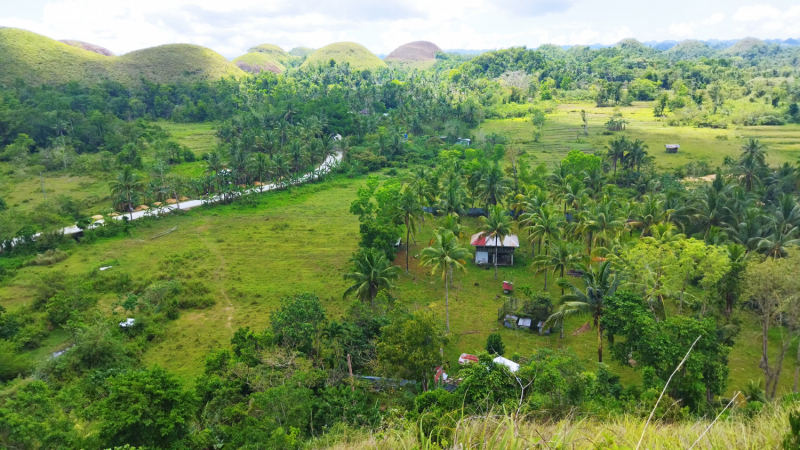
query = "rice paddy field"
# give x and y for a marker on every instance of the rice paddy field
(563, 131)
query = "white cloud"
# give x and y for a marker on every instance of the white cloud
(756, 12)
(681, 30)
(714, 19)
(232, 26)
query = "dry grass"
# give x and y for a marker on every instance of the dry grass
(765, 431)
(356, 54)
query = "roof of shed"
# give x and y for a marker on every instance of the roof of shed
(479, 239)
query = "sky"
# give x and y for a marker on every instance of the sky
(232, 26)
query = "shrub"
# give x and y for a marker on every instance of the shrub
(48, 258)
(494, 344)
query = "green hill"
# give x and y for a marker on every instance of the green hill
(87, 46)
(264, 57)
(745, 47)
(259, 62)
(689, 49)
(274, 51)
(171, 63)
(37, 59)
(356, 55)
(300, 52)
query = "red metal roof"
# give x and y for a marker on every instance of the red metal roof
(466, 358)
(481, 240)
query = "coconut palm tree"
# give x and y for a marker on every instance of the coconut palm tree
(409, 208)
(637, 152)
(616, 151)
(496, 226)
(598, 284)
(563, 255)
(443, 255)
(262, 166)
(372, 272)
(493, 186)
(752, 162)
(545, 225)
(781, 236)
(126, 185)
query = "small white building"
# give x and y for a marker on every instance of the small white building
(487, 247)
(512, 366)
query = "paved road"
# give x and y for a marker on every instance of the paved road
(326, 167)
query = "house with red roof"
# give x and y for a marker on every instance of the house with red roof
(487, 247)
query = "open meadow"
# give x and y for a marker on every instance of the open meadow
(563, 131)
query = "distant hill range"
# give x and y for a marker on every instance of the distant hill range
(37, 59)
(715, 44)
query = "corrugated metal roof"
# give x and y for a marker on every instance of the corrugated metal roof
(479, 239)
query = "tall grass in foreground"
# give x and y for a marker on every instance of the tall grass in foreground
(764, 431)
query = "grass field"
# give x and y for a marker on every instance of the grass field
(563, 132)
(300, 241)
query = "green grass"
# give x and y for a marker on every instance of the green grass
(356, 55)
(22, 194)
(258, 62)
(300, 241)
(560, 135)
(199, 137)
(40, 60)
(301, 52)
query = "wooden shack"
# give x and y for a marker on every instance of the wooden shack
(486, 247)
(672, 148)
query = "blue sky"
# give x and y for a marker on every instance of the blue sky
(232, 26)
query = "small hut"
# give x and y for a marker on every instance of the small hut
(486, 247)
(672, 148)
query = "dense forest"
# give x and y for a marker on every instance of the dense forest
(665, 272)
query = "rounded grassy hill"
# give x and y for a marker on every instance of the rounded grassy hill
(356, 55)
(258, 62)
(264, 57)
(37, 59)
(301, 52)
(87, 46)
(744, 47)
(419, 54)
(690, 49)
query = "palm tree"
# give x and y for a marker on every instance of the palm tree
(214, 165)
(564, 255)
(751, 163)
(782, 235)
(372, 272)
(545, 225)
(444, 254)
(616, 151)
(496, 226)
(408, 207)
(493, 186)
(262, 166)
(597, 285)
(125, 185)
(637, 152)
(602, 225)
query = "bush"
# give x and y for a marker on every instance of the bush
(494, 344)
(48, 258)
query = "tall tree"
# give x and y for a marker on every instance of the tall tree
(597, 284)
(126, 185)
(409, 209)
(443, 255)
